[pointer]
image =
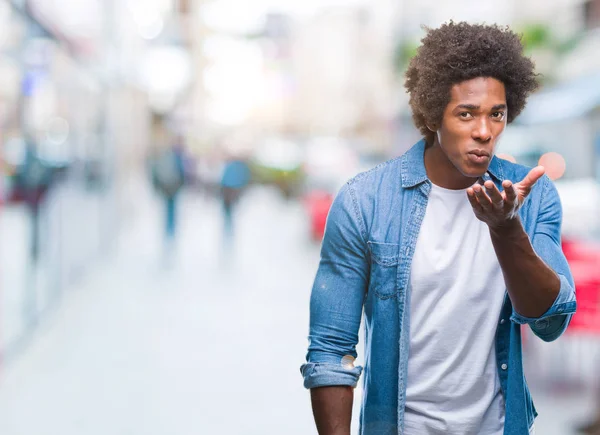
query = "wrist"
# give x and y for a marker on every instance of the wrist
(508, 228)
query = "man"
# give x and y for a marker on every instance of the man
(448, 250)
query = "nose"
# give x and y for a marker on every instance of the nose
(482, 131)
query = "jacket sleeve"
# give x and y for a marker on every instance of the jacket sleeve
(546, 243)
(337, 297)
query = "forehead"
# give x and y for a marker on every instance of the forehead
(480, 90)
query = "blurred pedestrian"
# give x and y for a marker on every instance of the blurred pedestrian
(447, 250)
(168, 176)
(33, 180)
(235, 178)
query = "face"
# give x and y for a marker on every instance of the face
(472, 123)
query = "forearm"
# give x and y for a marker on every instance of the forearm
(332, 409)
(532, 285)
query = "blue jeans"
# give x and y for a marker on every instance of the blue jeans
(171, 222)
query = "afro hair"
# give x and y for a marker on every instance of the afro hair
(456, 52)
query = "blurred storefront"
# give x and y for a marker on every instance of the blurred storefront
(70, 104)
(51, 123)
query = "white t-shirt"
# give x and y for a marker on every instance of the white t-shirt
(456, 295)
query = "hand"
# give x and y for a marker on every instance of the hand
(500, 208)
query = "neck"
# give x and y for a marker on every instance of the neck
(441, 171)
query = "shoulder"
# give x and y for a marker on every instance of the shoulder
(376, 177)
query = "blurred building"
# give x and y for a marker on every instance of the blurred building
(80, 84)
(276, 73)
(343, 81)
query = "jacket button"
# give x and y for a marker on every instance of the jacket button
(502, 322)
(504, 366)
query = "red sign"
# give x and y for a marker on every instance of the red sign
(584, 260)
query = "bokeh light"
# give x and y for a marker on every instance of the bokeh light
(554, 163)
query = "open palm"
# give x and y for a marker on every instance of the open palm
(496, 208)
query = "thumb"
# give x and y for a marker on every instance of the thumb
(532, 177)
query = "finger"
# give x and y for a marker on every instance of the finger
(531, 178)
(473, 200)
(482, 198)
(509, 191)
(494, 194)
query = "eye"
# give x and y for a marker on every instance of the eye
(465, 115)
(498, 115)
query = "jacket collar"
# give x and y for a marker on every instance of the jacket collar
(413, 170)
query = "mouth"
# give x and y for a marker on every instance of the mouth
(480, 153)
(479, 156)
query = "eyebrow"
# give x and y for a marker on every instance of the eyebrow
(474, 107)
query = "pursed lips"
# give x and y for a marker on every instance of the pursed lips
(479, 153)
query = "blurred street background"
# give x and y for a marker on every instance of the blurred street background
(166, 170)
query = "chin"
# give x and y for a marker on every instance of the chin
(469, 171)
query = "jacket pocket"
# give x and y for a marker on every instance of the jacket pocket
(384, 269)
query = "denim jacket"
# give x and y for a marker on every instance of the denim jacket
(366, 255)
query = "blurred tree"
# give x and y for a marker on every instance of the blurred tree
(540, 36)
(536, 35)
(568, 45)
(546, 48)
(403, 53)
